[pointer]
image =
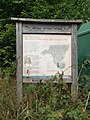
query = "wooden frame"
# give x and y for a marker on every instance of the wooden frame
(45, 26)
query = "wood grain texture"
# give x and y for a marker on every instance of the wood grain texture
(47, 28)
(47, 20)
(74, 88)
(19, 58)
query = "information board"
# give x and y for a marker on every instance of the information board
(45, 47)
(44, 55)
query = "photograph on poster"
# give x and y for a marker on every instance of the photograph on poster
(46, 54)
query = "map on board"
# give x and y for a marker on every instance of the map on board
(45, 55)
(58, 54)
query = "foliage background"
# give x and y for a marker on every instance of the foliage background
(40, 102)
(56, 9)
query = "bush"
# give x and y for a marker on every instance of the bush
(41, 101)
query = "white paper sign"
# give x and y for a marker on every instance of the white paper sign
(45, 55)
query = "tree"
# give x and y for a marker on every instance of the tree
(48, 9)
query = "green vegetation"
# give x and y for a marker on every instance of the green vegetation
(56, 9)
(47, 101)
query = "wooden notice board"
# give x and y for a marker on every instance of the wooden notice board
(46, 47)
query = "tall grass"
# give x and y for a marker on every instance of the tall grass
(40, 102)
(48, 101)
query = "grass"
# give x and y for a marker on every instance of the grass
(47, 101)
(41, 102)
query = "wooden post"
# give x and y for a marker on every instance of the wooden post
(74, 87)
(19, 44)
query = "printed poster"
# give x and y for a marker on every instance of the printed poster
(46, 55)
